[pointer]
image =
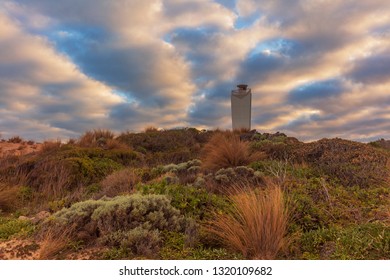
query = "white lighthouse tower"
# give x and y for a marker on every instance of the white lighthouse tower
(241, 107)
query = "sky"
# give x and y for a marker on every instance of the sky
(317, 68)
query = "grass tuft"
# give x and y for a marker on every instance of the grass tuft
(225, 149)
(256, 225)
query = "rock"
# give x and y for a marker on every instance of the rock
(23, 218)
(40, 217)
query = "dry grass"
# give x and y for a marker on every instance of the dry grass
(52, 178)
(15, 139)
(151, 129)
(226, 150)
(54, 243)
(120, 182)
(116, 144)
(95, 138)
(257, 224)
(9, 198)
(50, 146)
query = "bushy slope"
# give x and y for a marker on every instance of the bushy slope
(129, 188)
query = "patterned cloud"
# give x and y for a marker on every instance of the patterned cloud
(320, 70)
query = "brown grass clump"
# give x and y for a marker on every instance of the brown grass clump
(9, 198)
(151, 129)
(256, 225)
(15, 139)
(226, 150)
(54, 243)
(119, 182)
(114, 144)
(95, 138)
(50, 146)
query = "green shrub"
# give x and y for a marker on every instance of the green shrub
(12, 227)
(25, 193)
(167, 146)
(135, 242)
(102, 217)
(357, 242)
(91, 170)
(352, 163)
(319, 203)
(193, 201)
(175, 247)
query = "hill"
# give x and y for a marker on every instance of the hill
(190, 194)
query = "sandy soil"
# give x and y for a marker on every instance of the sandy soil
(19, 250)
(18, 149)
(27, 249)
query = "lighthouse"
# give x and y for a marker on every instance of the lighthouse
(241, 102)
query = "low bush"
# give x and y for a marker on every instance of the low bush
(370, 241)
(194, 202)
(352, 163)
(15, 139)
(136, 242)
(102, 217)
(10, 228)
(167, 146)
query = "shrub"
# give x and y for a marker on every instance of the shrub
(12, 227)
(226, 150)
(15, 139)
(225, 178)
(102, 217)
(356, 242)
(167, 146)
(135, 242)
(195, 202)
(352, 163)
(256, 225)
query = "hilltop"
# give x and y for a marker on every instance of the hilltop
(170, 194)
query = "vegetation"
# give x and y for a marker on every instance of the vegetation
(174, 194)
(256, 225)
(227, 150)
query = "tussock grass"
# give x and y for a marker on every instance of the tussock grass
(51, 146)
(226, 150)
(95, 138)
(54, 243)
(256, 225)
(119, 182)
(9, 198)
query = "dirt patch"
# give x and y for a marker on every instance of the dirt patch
(18, 149)
(28, 249)
(19, 250)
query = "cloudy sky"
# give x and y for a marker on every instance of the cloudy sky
(317, 68)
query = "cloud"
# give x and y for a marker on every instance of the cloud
(40, 88)
(319, 69)
(316, 90)
(371, 70)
